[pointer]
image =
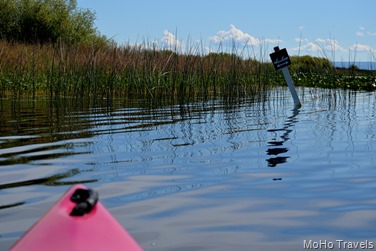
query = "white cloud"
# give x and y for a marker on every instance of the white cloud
(301, 40)
(307, 46)
(360, 32)
(169, 39)
(235, 34)
(310, 46)
(319, 45)
(330, 44)
(362, 47)
(363, 32)
(272, 41)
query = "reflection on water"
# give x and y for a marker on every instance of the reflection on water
(238, 174)
(278, 141)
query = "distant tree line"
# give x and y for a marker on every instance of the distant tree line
(46, 21)
(307, 64)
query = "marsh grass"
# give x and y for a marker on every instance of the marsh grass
(61, 70)
(144, 70)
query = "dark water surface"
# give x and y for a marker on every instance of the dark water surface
(221, 174)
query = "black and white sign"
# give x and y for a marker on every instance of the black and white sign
(280, 59)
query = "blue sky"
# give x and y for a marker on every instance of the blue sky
(341, 30)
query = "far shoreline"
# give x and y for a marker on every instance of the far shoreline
(362, 65)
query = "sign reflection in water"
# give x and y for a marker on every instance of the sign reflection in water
(280, 136)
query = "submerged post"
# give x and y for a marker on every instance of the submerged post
(281, 60)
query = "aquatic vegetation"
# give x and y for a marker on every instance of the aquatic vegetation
(337, 80)
(63, 70)
(319, 72)
(104, 71)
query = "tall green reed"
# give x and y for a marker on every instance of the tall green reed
(106, 71)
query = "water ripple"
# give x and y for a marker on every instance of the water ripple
(253, 172)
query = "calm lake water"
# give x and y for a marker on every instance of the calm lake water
(240, 174)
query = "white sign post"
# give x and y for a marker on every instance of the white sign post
(281, 60)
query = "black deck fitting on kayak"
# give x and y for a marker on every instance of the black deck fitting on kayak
(85, 200)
